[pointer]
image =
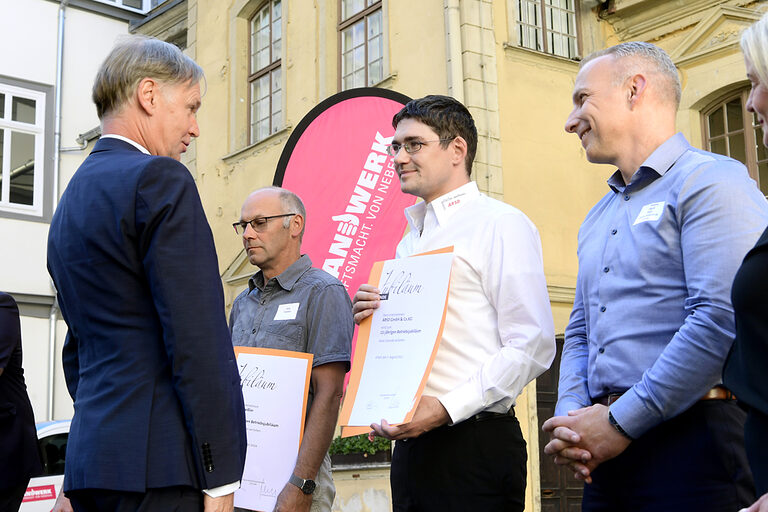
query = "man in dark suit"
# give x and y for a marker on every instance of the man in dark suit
(148, 358)
(19, 455)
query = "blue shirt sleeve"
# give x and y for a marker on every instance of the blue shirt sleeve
(573, 392)
(719, 221)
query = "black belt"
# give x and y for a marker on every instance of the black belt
(487, 415)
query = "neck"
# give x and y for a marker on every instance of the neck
(125, 127)
(642, 146)
(274, 270)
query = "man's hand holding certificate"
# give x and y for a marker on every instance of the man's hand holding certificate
(396, 347)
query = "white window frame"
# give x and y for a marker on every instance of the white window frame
(362, 16)
(519, 20)
(146, 5)
(38, 130)
(275, 64)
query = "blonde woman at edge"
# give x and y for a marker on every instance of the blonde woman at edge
(744, 371)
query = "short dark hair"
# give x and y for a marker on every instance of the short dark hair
(447, 117)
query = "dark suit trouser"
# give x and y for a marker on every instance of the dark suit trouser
(164, 499)
(474, 465)
(756, 441)
(11, 498)
(693, 462)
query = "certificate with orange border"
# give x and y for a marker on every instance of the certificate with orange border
(275, 386)
(396, 346)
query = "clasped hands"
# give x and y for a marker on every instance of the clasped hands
(583, 440)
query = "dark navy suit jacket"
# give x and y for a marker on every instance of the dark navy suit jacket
(19, 454)
(148, 358)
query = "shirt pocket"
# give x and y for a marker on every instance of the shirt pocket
(285, 336)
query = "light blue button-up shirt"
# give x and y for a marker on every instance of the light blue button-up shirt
(652, 315)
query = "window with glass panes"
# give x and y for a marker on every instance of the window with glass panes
(22, 119)
(548, 26)
(362, 43)
(265, 81)
(732, 131)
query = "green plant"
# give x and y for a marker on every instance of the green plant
(358, 444)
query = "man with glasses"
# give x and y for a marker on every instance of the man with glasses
(463, 450)
(289, 305)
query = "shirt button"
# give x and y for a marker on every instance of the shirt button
(605, 269)
(613, 231)
(626, 198)
(602, 309)
(253, 331)
(601, 350)
(263, 301)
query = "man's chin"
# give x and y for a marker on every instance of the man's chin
(255, 261)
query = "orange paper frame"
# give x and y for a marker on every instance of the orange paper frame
(285, 353)
(363, 336)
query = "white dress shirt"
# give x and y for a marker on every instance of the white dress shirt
(499, 333)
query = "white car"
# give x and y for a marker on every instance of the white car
(43, 490)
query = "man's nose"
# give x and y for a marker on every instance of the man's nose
(401, 156)
(572, 122)
(194, 130)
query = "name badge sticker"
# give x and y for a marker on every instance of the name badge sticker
(287, 311)
(649, 212)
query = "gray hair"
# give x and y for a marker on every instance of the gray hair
(633, 55)
(291, 203)
(131, 60)
(754, 44)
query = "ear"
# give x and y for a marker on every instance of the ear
(459, 148)
(297, 224)
(147, 94)
(636, 86)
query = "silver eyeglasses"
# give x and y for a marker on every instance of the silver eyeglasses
(259, 224)
(411, 146)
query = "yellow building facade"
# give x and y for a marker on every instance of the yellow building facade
(512, 62)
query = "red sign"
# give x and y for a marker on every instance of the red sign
(41, 493)
(336, 161)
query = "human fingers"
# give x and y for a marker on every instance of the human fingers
(555, 446)
(361, 311)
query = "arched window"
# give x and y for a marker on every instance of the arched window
(730, 130)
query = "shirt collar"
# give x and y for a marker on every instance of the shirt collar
(126, 139)
(444, 206)
(286, 279)
(655, 166)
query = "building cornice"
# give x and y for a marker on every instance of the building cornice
(649, 20)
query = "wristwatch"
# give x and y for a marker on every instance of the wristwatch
(306, 486)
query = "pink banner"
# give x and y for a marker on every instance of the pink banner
(336, 161)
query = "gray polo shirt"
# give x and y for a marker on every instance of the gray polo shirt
(304, 309)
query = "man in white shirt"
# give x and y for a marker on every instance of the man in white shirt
(463, 450)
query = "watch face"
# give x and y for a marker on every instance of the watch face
(308, 487)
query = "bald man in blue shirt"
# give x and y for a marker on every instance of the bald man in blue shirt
(641, 414)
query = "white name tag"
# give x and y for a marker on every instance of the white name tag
(287, 311)
(650, 211)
